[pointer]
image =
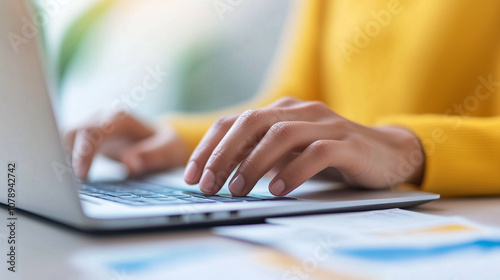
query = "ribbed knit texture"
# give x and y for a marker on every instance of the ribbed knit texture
(430, 66)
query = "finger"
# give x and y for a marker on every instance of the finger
(86, 145)
(315, 158)
(200, 156)
(88, 140)
(285, 102)
(282, 139)
(152, 155)
(124, 125)
(241, 139)
(330, 174)
(223, 155)
(202, 152)
(281, 163)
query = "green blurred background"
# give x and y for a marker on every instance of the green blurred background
(210, 53)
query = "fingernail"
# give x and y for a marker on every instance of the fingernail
(237, 185)
(190, 172)
(207, 182)
(277, 187)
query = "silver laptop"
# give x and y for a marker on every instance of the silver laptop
(36, 175)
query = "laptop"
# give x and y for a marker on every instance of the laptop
(37, 177)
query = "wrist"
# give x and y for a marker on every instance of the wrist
(410, 162)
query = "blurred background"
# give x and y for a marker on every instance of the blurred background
(156, 57)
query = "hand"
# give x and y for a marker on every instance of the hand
(313, 138)
(140, 147)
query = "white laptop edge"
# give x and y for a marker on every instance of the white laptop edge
(44, 180)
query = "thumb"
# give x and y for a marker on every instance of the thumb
(154, 154)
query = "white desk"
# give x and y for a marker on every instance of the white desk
(50, 251)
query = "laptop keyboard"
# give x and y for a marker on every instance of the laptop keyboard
(146, 194)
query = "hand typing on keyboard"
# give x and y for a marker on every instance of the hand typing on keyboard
(122, 137)
(299, 139)
(314, 137)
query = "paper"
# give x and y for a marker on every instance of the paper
(389, 221)
(383, 244)
(203, 258)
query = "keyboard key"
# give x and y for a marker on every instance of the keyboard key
(143, 194)
(178, 195)
(197, 199)
(154, 196)
(134, 203)
(94, 195)
(224, 199)
(164, 199)
(172, 202)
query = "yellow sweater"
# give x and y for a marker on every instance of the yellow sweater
(430, 66)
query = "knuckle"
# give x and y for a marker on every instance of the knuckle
(220, 161)
(218, 157)
(355, 139)
(287, 100)
(283, 130)
(342, 126)
(322, 149)
(224, 122)
(250, 117)
(317, 105)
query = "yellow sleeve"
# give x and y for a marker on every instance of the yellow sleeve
(297, 74)
(462, 153)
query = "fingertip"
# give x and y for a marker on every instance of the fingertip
(191, 173)
(207, 183)
(133, 163)
(79, 167)
(277, 187)
(136, 165)
(80, 170)
(237, 186)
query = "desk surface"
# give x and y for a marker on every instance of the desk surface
(50, 251)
